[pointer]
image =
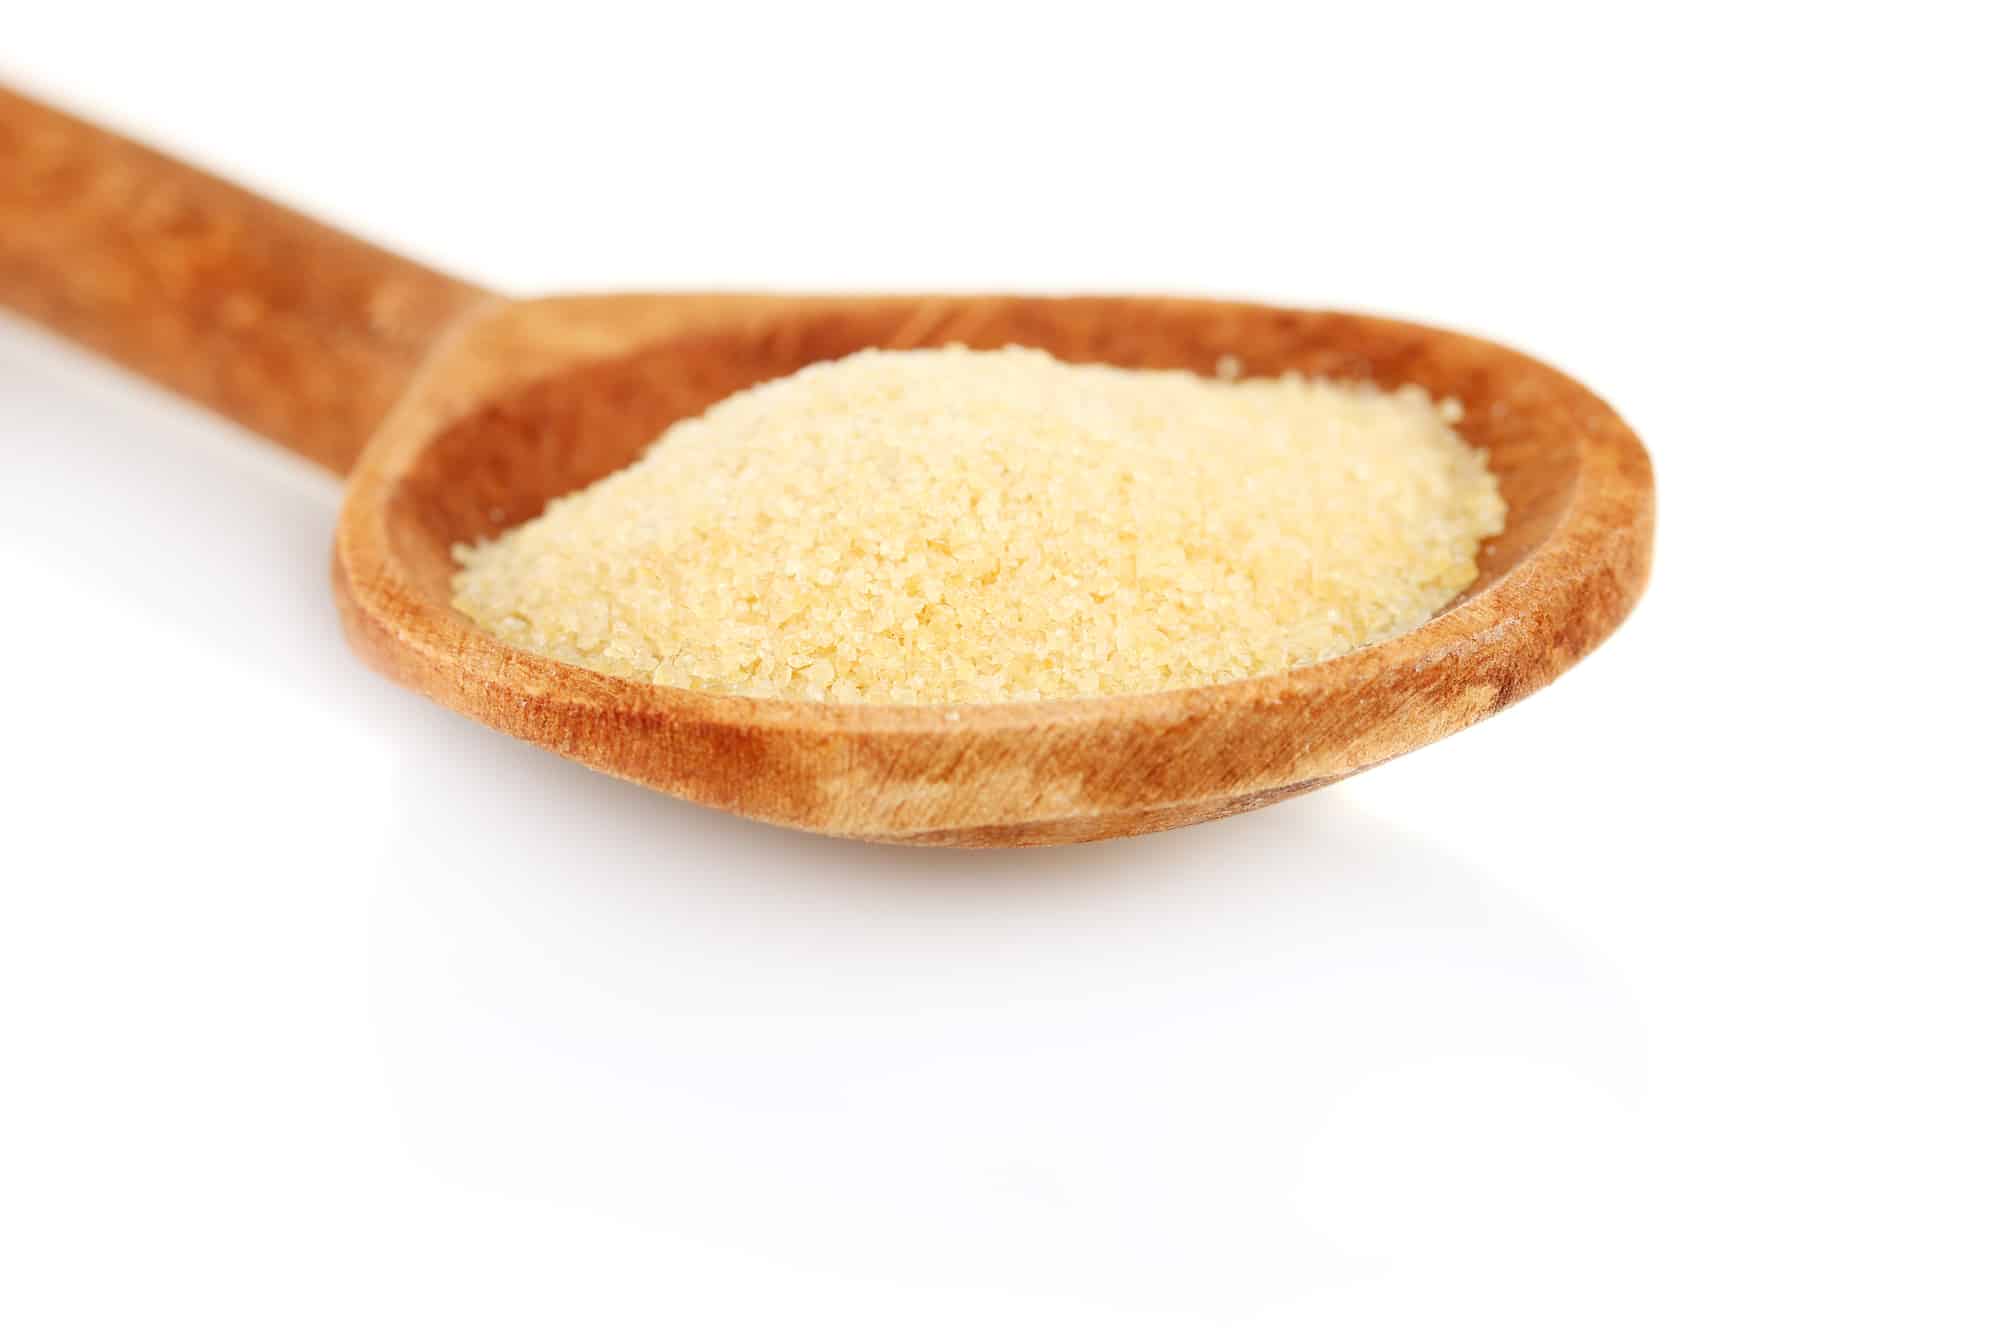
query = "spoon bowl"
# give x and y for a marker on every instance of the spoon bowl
(532, 400)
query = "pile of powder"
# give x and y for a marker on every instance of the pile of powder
(954, 526)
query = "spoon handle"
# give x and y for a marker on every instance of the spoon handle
(297, 331)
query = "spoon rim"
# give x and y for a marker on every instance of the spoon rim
(1556, 602)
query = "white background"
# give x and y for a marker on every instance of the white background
(1666, 1000)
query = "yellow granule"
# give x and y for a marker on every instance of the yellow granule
(952, 526)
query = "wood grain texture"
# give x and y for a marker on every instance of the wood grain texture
(301, 333)
(533, 400)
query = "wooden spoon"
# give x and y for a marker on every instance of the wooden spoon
(455, 414)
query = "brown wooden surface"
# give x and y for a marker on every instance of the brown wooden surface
(299, 332)
(475, 412)
(532, 400)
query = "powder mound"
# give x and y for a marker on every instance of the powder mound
(954, 526)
